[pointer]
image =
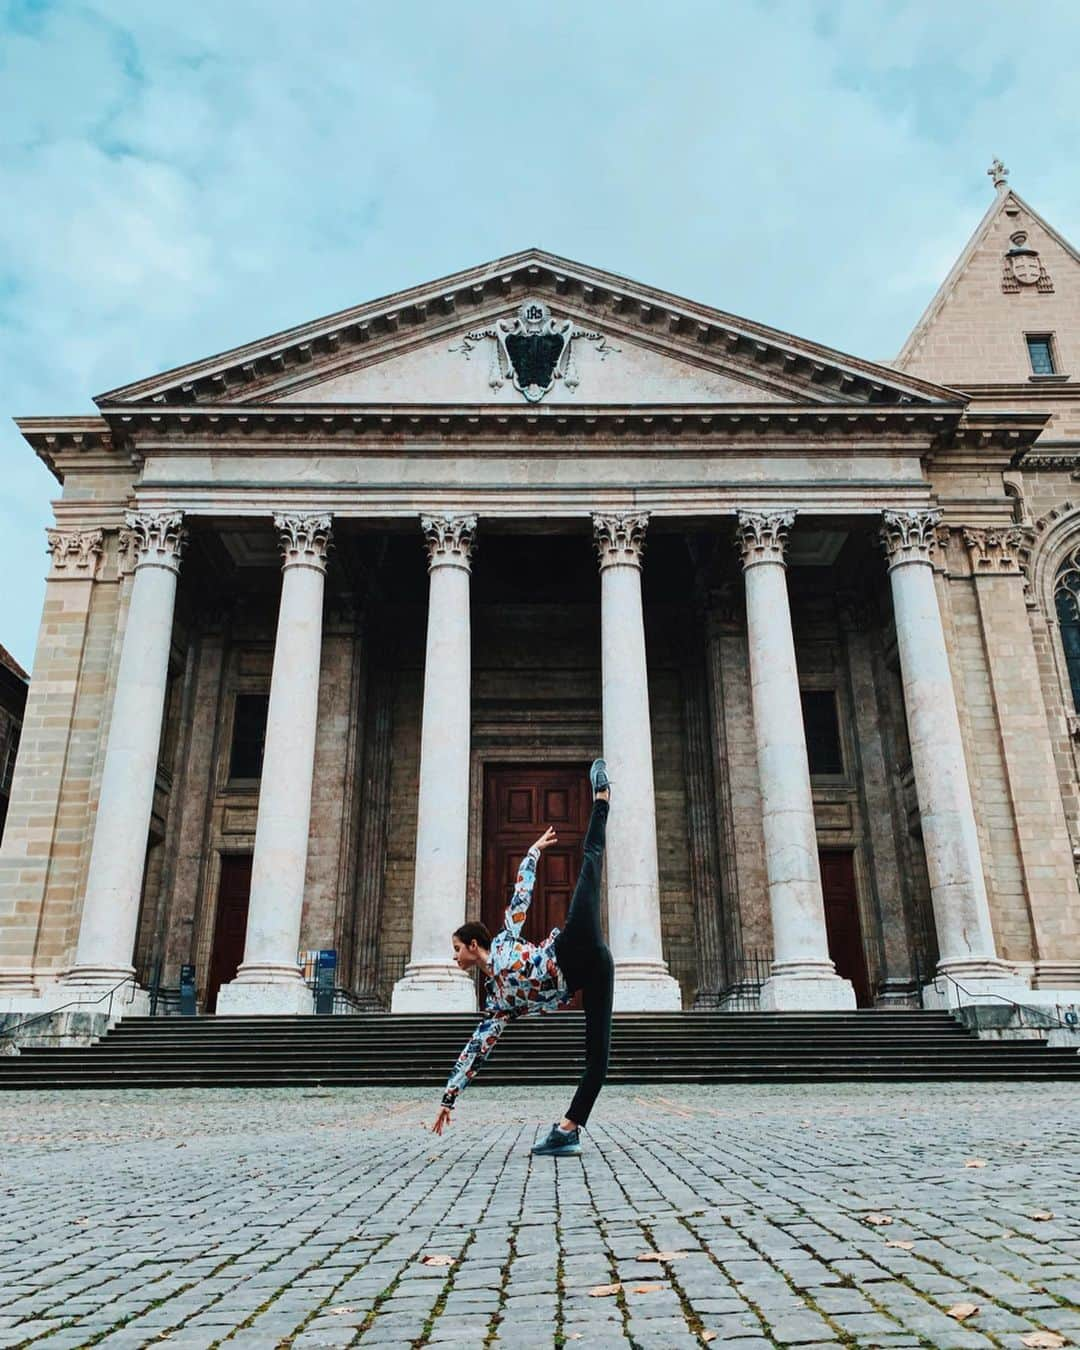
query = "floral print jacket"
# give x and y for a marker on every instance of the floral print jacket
(524, 979)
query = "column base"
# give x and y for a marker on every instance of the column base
(435, 986)
(266, 991)
(806, 992)
(645, 986)
(977, 980)
(1056, 975)
(17, 983)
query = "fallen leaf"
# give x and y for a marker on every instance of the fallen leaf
(604, 1290)
(340, 1312)
(660, 1256)
(1041, 1215)
(1050, 1339)
(878, 1220)
(647, 1288)
(961, 1311)
(709, 1335)
(975, 1162)
(899, 1242)
(437, 1259)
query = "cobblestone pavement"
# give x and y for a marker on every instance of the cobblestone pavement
(310, 1218)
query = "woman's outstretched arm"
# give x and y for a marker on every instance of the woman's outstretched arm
(523, 886)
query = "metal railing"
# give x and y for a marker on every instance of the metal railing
(1044, 1020)
(751, 970)
(345, 1001)
(17, 1028)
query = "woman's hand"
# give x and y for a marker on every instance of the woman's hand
(443, 1119)
(548, 837)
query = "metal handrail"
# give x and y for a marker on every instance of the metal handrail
(339, 993)
(1021, 1007)
(74, 1003)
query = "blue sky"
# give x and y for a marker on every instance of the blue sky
(180, 178)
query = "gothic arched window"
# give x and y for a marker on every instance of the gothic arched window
(1067, 602)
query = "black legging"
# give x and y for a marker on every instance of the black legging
(585, 960)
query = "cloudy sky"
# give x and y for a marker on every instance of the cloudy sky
(178, 178)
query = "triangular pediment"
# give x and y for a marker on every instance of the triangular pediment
(602, 340)
(473, 366)
(1016, 275)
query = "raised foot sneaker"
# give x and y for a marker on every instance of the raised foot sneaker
(559, 1144)
(598, 776)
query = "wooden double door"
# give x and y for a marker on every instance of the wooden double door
(520, 802)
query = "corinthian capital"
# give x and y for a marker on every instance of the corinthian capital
(304, 540)
(620, 539)
(158, 537)
(75, 553)
(908, 536)
(450, 540)
(761, 536)
(999, 551)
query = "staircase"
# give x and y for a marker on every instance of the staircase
(418, 1050)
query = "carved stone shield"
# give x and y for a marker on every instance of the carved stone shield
(534, 358)
(534, 350)
(1025, 265)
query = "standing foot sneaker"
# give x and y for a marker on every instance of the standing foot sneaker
(598, 776)
(559, 1144)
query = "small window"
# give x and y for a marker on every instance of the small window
(1041, 352)
(249, 735)
(822, 731)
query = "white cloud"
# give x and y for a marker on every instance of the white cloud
(180, 179)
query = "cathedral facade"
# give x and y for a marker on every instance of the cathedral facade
(335, 622)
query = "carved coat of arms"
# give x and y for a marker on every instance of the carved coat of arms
(1024, 267)
(533, 350)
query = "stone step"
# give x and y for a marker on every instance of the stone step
(419, 1050)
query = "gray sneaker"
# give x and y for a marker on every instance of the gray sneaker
(598, 776)
(559, 1144)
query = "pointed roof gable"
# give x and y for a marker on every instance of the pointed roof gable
(375, 353)
(973, 330)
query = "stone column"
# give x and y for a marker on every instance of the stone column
(432, 982)
(269, 979)
(642, 982)
(803, 975)
(950, 837)
(114, 879)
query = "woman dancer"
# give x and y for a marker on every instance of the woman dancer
(523, 979)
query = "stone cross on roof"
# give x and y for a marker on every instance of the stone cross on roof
(999, 173)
